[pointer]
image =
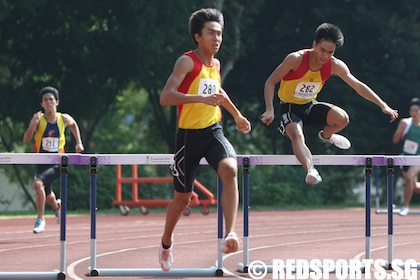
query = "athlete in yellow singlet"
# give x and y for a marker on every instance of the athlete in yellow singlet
(49, 137)
(195, 88)
(302, 74)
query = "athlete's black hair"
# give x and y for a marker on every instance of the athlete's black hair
(199, 18)
(329, 32)
(49, 89)
(415, 101)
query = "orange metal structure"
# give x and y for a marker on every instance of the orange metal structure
(134, 180)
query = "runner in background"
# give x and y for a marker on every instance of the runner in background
(49, 128)
(408, 131)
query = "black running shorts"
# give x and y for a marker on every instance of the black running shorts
(47, 173)
(312, 114)
(191, 146)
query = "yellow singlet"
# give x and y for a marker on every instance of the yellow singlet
(303, 85)
(204, 79)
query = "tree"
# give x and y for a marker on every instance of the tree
(90, 51)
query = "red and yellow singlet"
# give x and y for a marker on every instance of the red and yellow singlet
(303, 85)
(203, 80)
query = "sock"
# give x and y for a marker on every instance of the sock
(166, 247)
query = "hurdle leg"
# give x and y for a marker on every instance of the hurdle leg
(368, 173)
(377, 195)
(243, 267)
(390, 196)
(219, 270)
(63, 206)
(93, 170)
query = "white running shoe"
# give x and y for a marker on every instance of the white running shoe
(338, 140)
(230, 243)
(39, 226)
(404, 210)
(57, 213)
(165, 257)
(313, 177)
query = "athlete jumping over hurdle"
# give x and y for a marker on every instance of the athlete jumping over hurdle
(195, 87)
(302, 75)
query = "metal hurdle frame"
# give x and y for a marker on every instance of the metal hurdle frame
(366, 160)
(243, 267)
(93, 270)
(63, 160)
(246, 161)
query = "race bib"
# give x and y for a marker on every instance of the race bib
(208, 86)
(50, 144)
(410, 147)
(306, 90)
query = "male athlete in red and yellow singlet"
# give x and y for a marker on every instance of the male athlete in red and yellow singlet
(302, 75)
(194, 86)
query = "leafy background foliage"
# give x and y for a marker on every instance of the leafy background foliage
(110, 61)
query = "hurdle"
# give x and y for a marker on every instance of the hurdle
(351, 160)
(156, 159)
(63, 160)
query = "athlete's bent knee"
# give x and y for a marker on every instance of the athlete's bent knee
(227, 168)
(345, 119)
(181, 201)
(38, 185)
(337, 117)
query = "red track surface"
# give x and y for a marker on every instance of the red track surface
(132, 241)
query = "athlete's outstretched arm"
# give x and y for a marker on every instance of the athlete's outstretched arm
(340, 69)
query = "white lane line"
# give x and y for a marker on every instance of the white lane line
(71, 267)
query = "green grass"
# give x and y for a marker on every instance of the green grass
(197, 209)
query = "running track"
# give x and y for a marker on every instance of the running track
(132, 241)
